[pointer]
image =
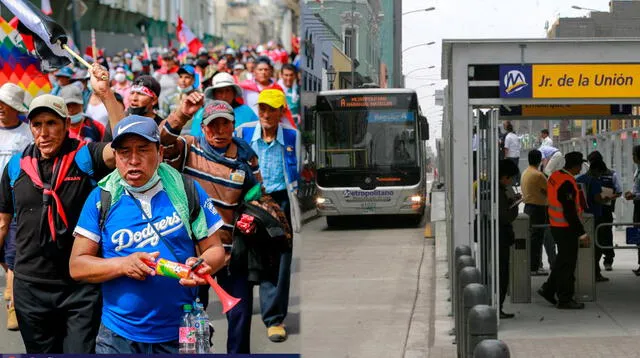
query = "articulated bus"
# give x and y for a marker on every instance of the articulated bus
(370, 153)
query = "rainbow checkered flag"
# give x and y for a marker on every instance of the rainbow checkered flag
(18, 65)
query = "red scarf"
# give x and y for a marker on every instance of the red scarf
(61, 166)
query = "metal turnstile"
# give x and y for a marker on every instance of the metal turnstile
(520, 272)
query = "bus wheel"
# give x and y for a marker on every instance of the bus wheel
(333, 221)
(416, 220)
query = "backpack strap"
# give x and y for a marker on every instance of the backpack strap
(13, 168)
(192, 198)
(189, 188)
(105, 206)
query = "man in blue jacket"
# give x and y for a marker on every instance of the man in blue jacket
(278, 147)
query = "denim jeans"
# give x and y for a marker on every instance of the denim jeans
(108, 342)
(274, 296)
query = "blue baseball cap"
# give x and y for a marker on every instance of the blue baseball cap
(144, 127)
(65, 72)
(190, 70)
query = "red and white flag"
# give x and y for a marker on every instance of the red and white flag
(45, 6)
(186, 36)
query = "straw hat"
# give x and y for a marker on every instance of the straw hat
(13, 96)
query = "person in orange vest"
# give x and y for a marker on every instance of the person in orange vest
(565, 218)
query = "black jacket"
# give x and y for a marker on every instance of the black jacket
(258, 254)
(507, 215)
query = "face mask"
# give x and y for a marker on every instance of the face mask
(139, 111)
(186, 90)
(120, 77)
(77, 118)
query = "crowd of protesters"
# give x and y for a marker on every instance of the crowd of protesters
(142, 130)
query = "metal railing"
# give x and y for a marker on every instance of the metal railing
(615, 247)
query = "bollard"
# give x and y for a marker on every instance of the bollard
(482, 323)
(462, 262)
(472, 295)
(466, 276)
(461, 250)
(491, 348)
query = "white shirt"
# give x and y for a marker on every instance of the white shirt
(13, 141)
(98, 112)
(474, 142)
(547, 151)
(512, 143)
(547, 142)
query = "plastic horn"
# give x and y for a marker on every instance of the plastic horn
(228, 301)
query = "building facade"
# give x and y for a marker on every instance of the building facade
(620, 21)
(391, 33)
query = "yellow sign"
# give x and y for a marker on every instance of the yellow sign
(586, 81)
(558, 110)
(556, 132)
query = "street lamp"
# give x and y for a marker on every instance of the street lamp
(414, 46)
(427, 85)
(331, 76)
(425, 10)
(584, 8)
(419, 69)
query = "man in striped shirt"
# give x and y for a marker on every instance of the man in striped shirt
(226, 168)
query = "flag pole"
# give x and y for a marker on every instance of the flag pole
(80, 59)
(94, 48)
(76, 56)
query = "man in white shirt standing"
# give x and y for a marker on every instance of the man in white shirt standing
(546, 140)
(512, 148)
(14, 137)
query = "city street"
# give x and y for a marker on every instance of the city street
(11, 342)
(367, 289)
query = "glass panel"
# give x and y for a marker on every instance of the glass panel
(370, 139)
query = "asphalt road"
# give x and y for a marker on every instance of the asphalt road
(362, 289)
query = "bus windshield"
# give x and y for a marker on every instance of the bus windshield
(367, 139)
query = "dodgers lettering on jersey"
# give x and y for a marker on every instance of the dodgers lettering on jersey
(144, 311)
(126, 238)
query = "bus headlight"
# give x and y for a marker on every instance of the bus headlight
(321, 201)
(416, 199)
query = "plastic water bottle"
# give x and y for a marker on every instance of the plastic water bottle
(202, 330)
(187, 336)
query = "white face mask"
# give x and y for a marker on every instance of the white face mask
(120, 77)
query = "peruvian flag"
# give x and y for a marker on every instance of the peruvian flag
(187, 37)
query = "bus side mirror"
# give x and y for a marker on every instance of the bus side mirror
(424, 127)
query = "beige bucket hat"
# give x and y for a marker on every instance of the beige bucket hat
(13, 95)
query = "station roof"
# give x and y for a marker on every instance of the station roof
(448, 44)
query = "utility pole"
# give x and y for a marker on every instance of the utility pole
(353, 44)
(76, 24)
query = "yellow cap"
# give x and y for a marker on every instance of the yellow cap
(272, 97)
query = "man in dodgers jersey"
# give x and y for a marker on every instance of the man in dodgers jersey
(141, 311)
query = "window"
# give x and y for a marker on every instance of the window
(348, 42)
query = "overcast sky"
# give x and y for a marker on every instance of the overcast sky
(458, 19)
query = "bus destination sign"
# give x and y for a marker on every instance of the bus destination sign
(366, 101)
